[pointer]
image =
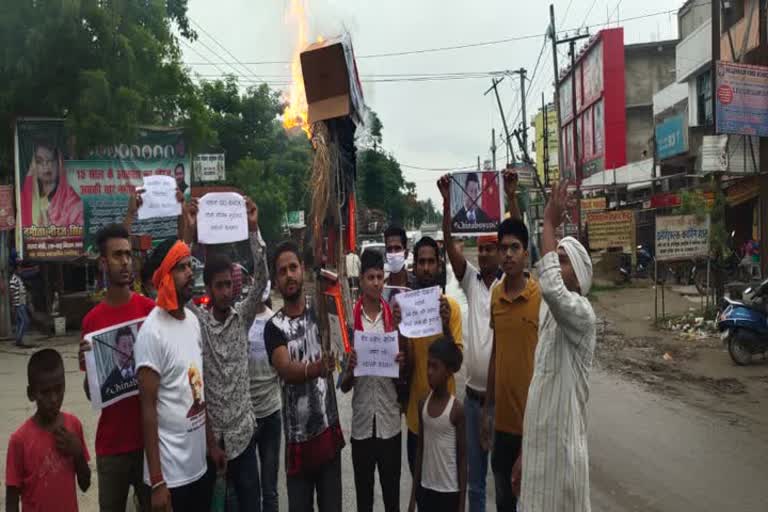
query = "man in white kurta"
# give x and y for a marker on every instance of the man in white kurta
(555, 464)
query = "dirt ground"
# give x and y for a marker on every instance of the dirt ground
(696, 370)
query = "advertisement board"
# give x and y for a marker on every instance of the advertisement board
(63, 201)
(681, 237)
(593, 204)
(671, 137)
(7, 217)
(209, 167)
(611, 229)
(741, 99)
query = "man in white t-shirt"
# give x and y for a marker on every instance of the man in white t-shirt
(477, 284)
(169, 362)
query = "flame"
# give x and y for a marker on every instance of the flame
(296, 111)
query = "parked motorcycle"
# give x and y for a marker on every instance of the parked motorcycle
(729, 269)
(744, 325)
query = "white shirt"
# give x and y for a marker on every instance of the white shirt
(265, 383)
(353, 265)
(375, 398)
(173, 349)
(555, 456)
(479, 341)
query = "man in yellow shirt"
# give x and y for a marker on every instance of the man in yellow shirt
(427, 272)
(515, 323)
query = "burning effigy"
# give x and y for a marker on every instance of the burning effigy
(326, 102)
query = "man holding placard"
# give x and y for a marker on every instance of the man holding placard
(310, 415)
(376, 437)
(224, 328)
(477, 283)
(427, 266)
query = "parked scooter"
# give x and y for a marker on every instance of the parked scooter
(744, 325)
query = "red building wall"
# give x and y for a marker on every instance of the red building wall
(598, 76)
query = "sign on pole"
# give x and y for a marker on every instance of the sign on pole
(682, 237)
(742, 99)
(612, 229)
(295, 219)
(209, 167)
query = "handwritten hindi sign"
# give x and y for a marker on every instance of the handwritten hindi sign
(681, 237)
(376, 353)
(222, 218)
(420, 312)
(159, 198)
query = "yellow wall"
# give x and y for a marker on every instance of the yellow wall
(553, 147)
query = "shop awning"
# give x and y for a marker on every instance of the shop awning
(634, 176)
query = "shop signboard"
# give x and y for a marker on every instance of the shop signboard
(682, 237)
(611, 229)
(741, 99)
(64, 201)
(670, 137)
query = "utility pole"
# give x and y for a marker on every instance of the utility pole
(494, 87)
(522, 72)
(478, 163)
(493, 147)
(553, 37)
(571, 42)
(545, 145)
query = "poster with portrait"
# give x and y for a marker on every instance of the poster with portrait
(110, 364)
(65, 194)
(476, 202)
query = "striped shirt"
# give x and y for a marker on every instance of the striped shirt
(18, 291)
(555, 458)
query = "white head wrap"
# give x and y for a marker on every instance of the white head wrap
(580, 261)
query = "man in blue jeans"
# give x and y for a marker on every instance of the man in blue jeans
(266, 402)
(19, 303)
(477, 283)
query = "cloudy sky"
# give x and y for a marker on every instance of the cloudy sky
(428, 122)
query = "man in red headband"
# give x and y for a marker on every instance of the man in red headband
(477, 283)
(169, 362)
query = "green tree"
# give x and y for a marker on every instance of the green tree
(104, 65)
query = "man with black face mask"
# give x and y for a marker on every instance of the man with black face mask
(428, 271)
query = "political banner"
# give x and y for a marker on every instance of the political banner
(7, 217)
(65, 197)
(611, 229)
(110, 365)
(742, 99)
(682, 237)
(476, 202)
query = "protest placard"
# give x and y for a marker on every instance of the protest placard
(420, 312)
(681, 237)
(159, 198)
(476, 203)
(110, 364)
(222, 218)
(376, 353)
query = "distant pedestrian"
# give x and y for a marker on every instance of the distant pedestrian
(376, 436)
(440, 477)
(352, 262)
(555, 460)
(47, 452)
(515, 306)
(19, 304)
(310, 415)
(169, 362)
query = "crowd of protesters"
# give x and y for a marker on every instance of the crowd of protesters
(220, 386)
